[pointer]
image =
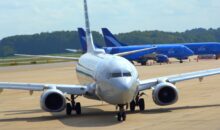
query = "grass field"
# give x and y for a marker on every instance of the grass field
(17, 60)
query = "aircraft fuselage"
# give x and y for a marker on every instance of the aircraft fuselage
(112, 79)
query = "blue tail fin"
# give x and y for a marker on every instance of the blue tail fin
(110, 39)
(82, 37)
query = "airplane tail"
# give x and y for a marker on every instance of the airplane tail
(89, 39)
(110, 39)
(82, 37)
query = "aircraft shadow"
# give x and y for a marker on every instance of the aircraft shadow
(21, 112)
(91, 117)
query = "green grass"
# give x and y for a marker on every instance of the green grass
(18, 60)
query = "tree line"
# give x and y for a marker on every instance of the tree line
(57, 42)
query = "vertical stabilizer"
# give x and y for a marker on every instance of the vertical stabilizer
(110, 39)
(82, 37)
(89, 39)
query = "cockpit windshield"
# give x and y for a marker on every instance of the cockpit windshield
(119, 74)
(115, 75)
(127, 74)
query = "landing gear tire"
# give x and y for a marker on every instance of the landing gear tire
(141, 104)
(132, 106)
(68, 109)
(143, 63)
(181, 61)
(78, 108)
(121, 115)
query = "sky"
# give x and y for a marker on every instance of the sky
(19, 17)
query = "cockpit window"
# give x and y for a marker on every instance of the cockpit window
(118, 74)
(115, 75)
(127, 74)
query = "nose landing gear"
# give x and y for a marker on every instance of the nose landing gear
(73, 106)
(121, 115)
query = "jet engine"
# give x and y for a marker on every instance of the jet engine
(162, 59)
(53, 100)
(165, 94)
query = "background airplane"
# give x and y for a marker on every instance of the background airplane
(161, 53)
(202, 48)
(177, 51)
(205, 48)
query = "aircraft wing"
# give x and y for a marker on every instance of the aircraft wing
(47, 56)
(133, 52)
(150, 83)
(68, 89)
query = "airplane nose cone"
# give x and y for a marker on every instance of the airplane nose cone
(125, 90)
(124, 86)
(190, 52)
(118, 90)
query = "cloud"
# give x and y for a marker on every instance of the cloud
(35, 16)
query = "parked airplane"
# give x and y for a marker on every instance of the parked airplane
(201, 48)
(205, 48)
(165, 51)
(139, 56)
(177, 51)
(109, 78)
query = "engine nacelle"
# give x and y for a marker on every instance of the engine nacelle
(53, 100)
(162, 59)
(165, 94)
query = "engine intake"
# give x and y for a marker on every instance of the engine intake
(53, 101)
(165, 94)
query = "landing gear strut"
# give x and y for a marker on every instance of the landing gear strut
(137, 102)
(73, 106)
(121, 115)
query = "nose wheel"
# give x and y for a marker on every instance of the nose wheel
(121, 115)
(73, 106)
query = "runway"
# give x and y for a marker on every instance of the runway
(198, 107)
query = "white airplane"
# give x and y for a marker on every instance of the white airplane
(108, 78)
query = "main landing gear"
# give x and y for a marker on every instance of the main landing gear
(73, 106)
(137, 102)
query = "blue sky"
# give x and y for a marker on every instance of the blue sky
(35, 16)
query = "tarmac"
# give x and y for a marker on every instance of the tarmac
(198, 107)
